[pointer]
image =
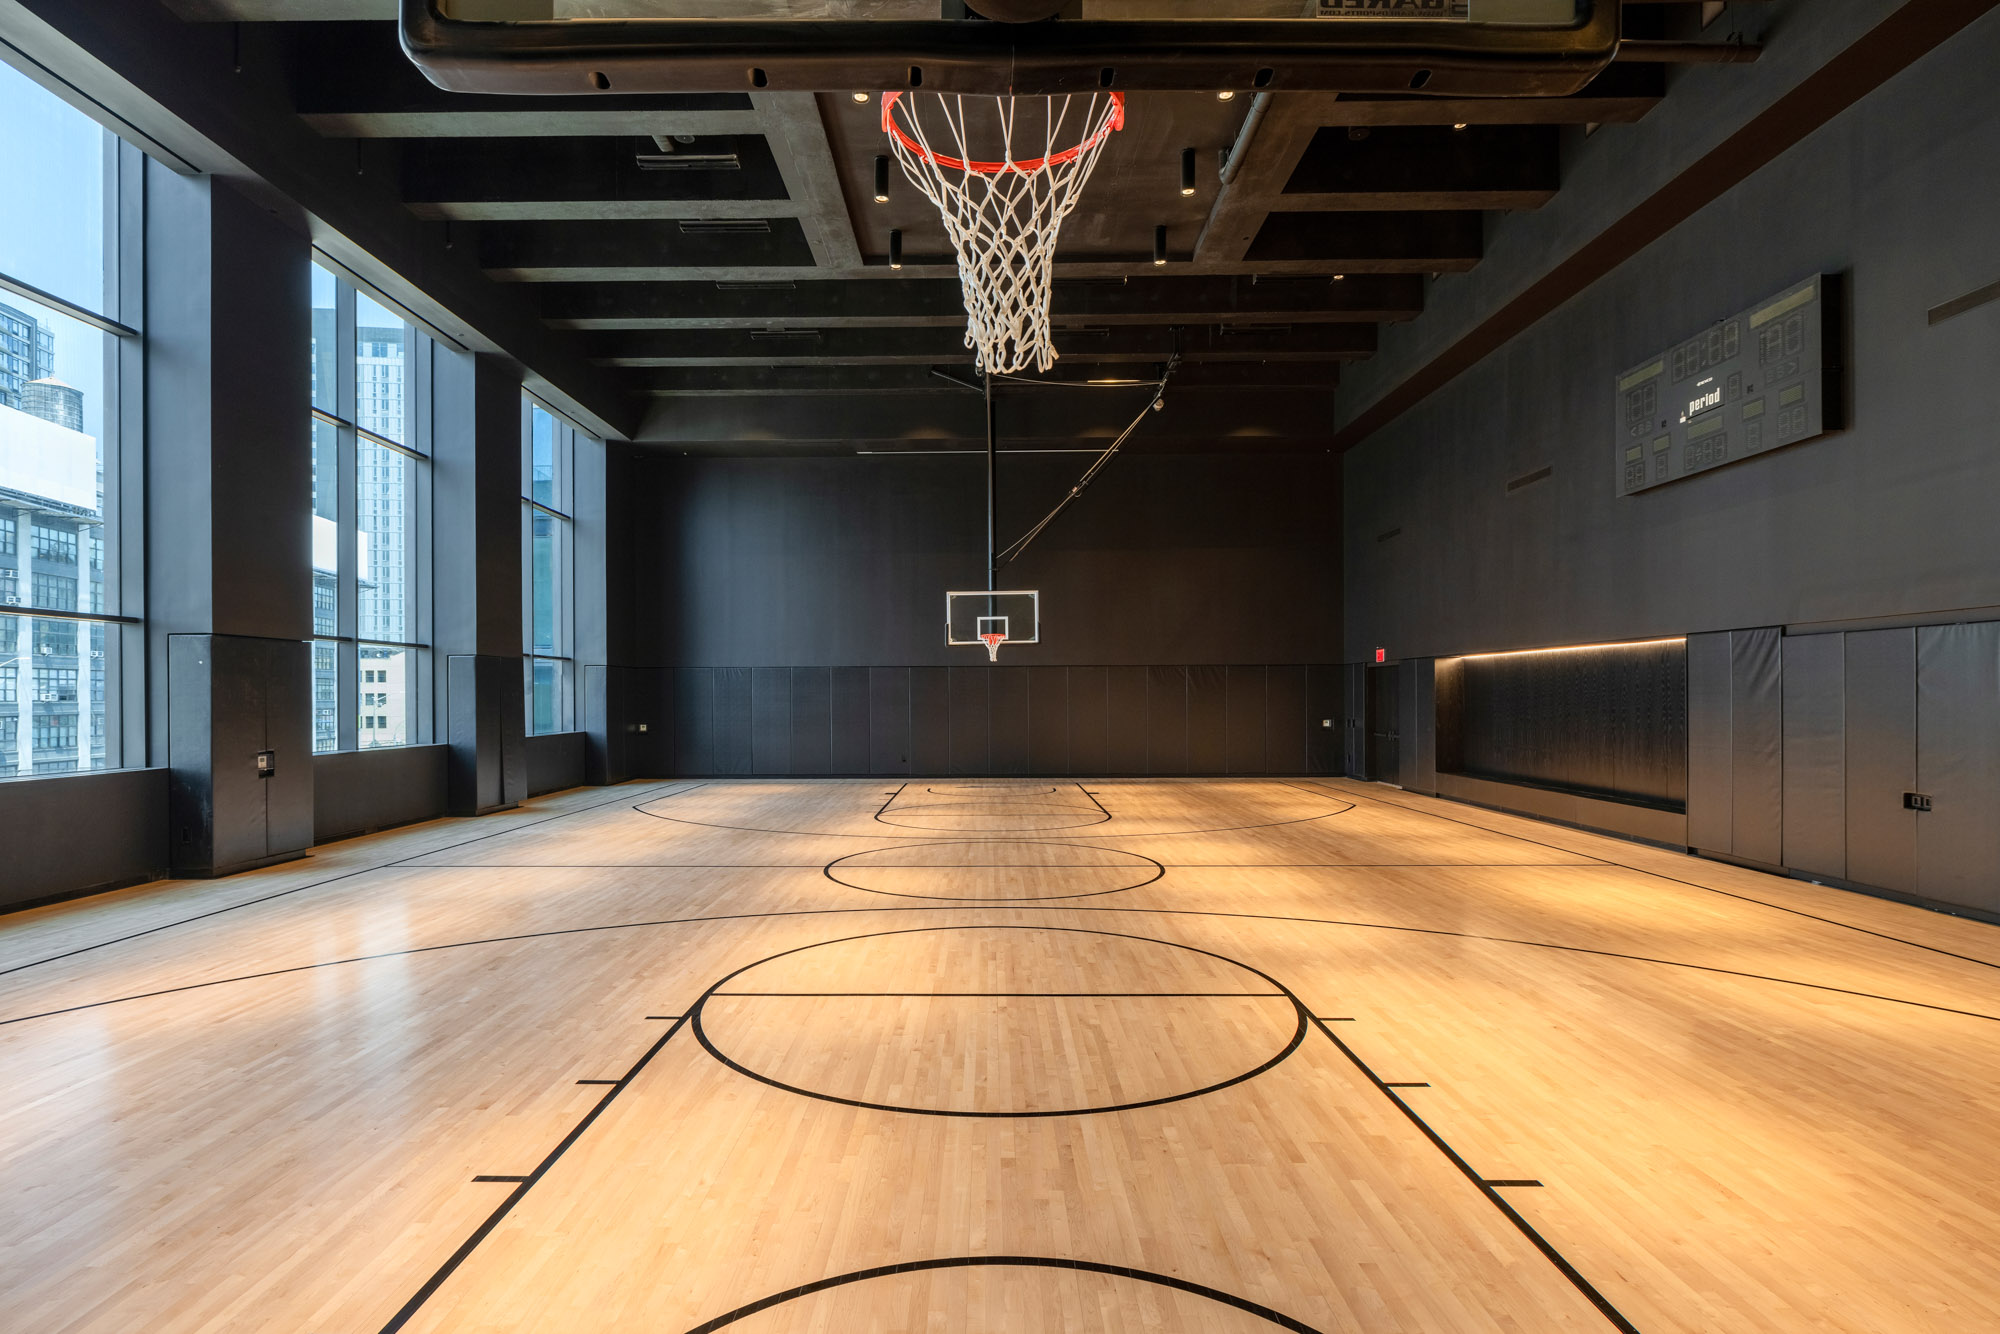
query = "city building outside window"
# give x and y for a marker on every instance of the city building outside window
(69, 367)
(548, 457)
(370, 521)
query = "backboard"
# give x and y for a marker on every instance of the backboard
(973, 618)
(1492, 48)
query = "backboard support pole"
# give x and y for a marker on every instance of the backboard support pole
(992, 485)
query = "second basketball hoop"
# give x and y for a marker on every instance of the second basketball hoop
(1004, 172)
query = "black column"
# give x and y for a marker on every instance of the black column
(476, 527)
(228, 526)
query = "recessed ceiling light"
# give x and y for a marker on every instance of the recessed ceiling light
(882, 179)
(861, 97)
(896, 249)
(1461, 125)
(1187, 171)
(1226, 95)
(1160, 245)
(1340, 277)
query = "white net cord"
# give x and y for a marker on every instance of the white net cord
(1003, 215)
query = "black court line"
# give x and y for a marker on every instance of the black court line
(1580, 864)
(1535, 1184)
(1017, 908)
(404, 863)
(1015, 995)
(526, 1184)
(1671, 879)
(493, 1178)
(597, 1081)
(1345, 807)
(1278, 1318)
(1486, 1188)
(458, 1257)
(666, 1016)
(1404, 1084)
(1159, 871)
(701, 1035)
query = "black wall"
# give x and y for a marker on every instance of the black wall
(1606, 722)
(1890, 517)
(1167, 559)
(787, 616)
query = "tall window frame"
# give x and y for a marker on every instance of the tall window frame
(371, 517)
(72, 629)
(548, 567)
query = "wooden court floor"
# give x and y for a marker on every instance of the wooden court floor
(776, 1057)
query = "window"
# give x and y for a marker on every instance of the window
(548, 456)
(370, 518)
(68, 362)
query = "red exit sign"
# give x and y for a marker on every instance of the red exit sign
(1381, 655)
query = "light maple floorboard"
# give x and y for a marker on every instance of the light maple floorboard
(989, 1055)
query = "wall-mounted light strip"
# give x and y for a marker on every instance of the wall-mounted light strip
(1570, 648)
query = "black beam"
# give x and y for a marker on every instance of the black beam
(691, 55)
(869, 303)
(587, 176)
(924, 345)
(1620, 95)
(879, 380)
(694, 243)
(1379, 242)
(1424, 167)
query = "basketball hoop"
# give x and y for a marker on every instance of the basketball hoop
(993, 643)
(1002, 213)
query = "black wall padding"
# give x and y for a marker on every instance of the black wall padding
(1166, 720)
(1354, 719)
(812, 720)
(970, 724)
(974, 720)
(1881, 679)
(1125, 717)
(847, 724)
(1610, 723)
(1711, 800)
(1958, 764)
(694, 720)
(1208, 720)
(1815, 801)
(930, 720)
(771, 720)
(1757, 738)
(1089, 721)
(734, 751)
(1325, 736)
(1247, 701)
(1008, 722)
(1286, 729)
(888, 720)
(1048, 720)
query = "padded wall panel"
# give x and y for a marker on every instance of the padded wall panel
(771, 720)
(1420, 751)
(1711, 798)
(1354, 719)
(930, 720)
(1285, 720)
(1007, 711)
(812, 720)
(733, 750)
(1757, 741)
(1958, 764)
(1881, 758)
(1208, 720)
(1408, 706)
(1247, 693)
(1089, 722)
(1125, 717)
(971, 721)
(1815, 803)
(694, 720)
(1324, 750)
(889, 720)
(1166, 720)
(1048, 720)
(847, 720)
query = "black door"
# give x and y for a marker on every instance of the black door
(1384, 731)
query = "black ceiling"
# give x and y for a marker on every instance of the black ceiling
(729, 245)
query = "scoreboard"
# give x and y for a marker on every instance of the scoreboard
(1754, 382)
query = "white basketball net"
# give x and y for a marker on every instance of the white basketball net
(1003, 215)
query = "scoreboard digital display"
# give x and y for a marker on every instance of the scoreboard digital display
(1753, 382)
